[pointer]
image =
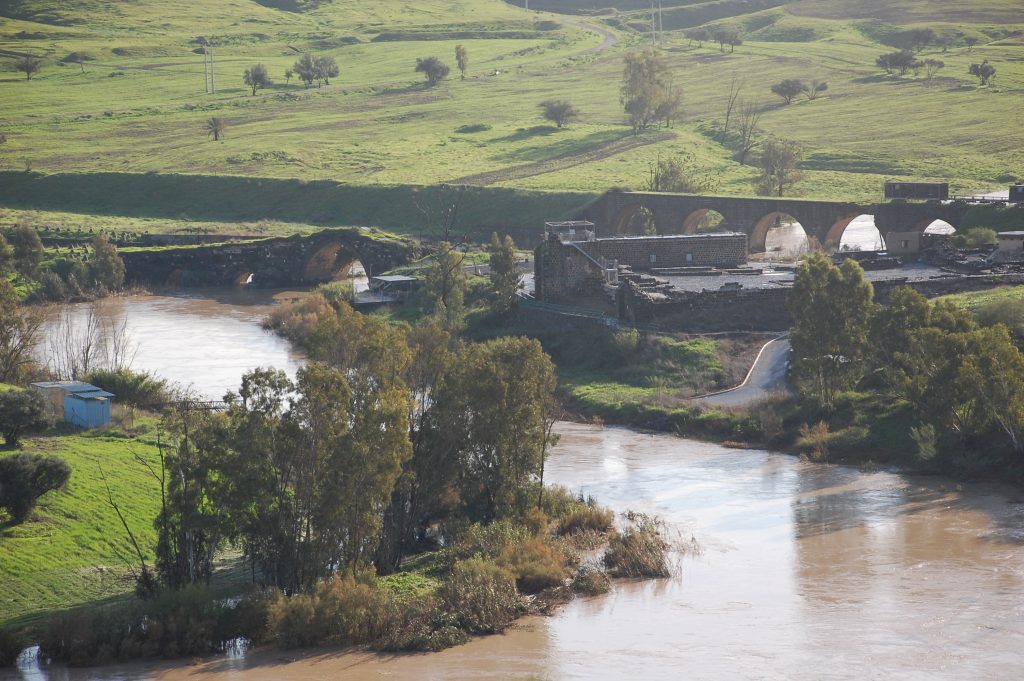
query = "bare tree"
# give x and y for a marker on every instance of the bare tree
(19, 333)
(730, 105)
(29, 65)
(78, 345)
(750, 116)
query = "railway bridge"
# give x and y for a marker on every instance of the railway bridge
(616, 213)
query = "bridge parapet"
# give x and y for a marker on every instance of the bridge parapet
(297, 260)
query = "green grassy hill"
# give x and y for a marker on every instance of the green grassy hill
(71, 550)
(139, 105)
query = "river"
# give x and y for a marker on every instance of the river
(804, 571)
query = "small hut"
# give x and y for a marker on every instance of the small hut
(80, 404)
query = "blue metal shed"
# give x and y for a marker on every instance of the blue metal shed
(87, 409)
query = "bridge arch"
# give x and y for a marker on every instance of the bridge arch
(864, 223)
(633, 219)
(702, 219)
(758, 241)
(330, 262)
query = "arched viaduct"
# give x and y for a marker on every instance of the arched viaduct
(824, 220)
(298, 260)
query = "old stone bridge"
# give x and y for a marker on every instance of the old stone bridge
(298, 260)
(617, 213)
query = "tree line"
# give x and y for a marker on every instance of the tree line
(963, 383)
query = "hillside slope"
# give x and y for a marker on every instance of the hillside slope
(138, 104)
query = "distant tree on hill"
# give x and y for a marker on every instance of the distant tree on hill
(257, 77)
(288, 75)
(700, 35)
(970, 41)
(788, 89)
(921, 38)
(778, 167)
(433, 68)
(727, 36)
(28, 65)
(679, 174)
(815, 88)
(215, 126)
(984, 71)
(559, 111)
(932, 66)
(77, 58)
(462, 60)
(750, 116)
(305, 69)
(648, 93)
(325, 68)
(901, 61)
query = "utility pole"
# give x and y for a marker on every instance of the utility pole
(661, 25)
(213, 81)
(654, 26)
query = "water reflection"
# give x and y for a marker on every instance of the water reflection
(207, 338)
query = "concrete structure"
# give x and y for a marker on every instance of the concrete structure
(299, 260)
(824, 220)
(77, 403)
(567, 269)
(1011, 246)
(903, 243)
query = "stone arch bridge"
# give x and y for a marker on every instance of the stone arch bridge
(824, 220)
(297, 260)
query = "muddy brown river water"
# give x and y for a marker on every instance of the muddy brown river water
(804, 571)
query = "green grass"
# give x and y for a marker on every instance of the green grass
(976, 300)
(378, 125)
(68, 553)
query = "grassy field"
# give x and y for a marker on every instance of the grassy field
(975, 300)
(377, 124)
(69, 552)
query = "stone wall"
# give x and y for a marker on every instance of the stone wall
(649, 252)
(759, 309)
(565, 271)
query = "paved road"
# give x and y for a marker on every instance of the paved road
(767, 376)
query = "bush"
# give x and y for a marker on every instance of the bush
(22, 411)
(135, 388)
(535, 564)
(181, 623)
(640, 551)
(480, 596)
(26, 477)
(591, 581)
(488, 540)
(341, 611)
(814, 441)
(977, 237)
(587, 518)
(11, 644)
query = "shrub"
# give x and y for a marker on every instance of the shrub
(535, 564)
(26, 477)
(337, 291)
(488, 540)
(976, 237)
(480, 596)
(587, 518)
(341, 611)
(297, 320)
(22, 411)
(639, 551)
(423, 625)
(136, 388)
(814, 440)
(11, 644)
(180, 623)
(591, 581)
